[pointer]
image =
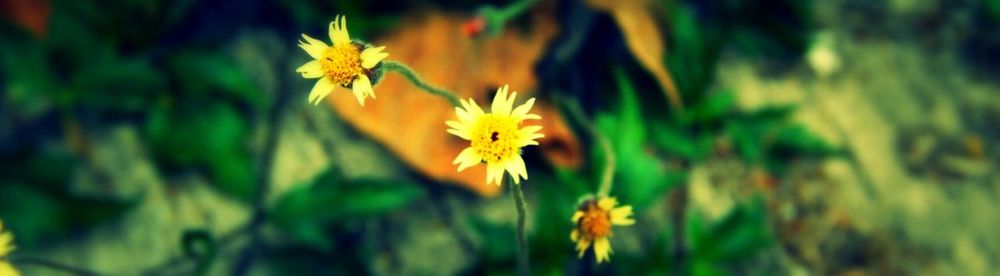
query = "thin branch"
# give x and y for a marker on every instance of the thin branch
(414, 78)
(30, 261)
(264, 171)
(522, 246)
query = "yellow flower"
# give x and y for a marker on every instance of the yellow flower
(6, 242)
(593, 222)
(6, 269)
(495, 138)
(350, 64)
(6, 246)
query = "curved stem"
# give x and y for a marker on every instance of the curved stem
(414, 78)
(609, 163)
(25, 261)
(254, 249)
(522, 246)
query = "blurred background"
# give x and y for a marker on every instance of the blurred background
(788, 137)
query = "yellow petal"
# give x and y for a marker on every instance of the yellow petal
(522, 110)
(338, 30)
(333, 29)
(311, 70)
(576, 216)
(528, 135)
(458, 129)
(602, 249)
(622, 216)
(499, 105)
(372, 56)
(6, 269)
(494, 173)
(463, 115)
(343, 29)
(467, 158)
(510, 101)
(319, 91)
(474, 109)
(607, 203)
(581, 246)
(362, 87)
(574, 235)
(312, 46)
(517, 169)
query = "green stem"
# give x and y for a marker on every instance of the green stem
(52, 265)
(514, 9)
(420, 83)
(607, 178)
(609, 163)
(522, 246)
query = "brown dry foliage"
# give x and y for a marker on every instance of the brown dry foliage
(644, 39)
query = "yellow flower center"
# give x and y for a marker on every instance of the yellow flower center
(342, 63)
(495, 137)
(595, 223)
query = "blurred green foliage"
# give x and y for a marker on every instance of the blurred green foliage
(311, 209)
(740, 234)
(641, 177)
(162, 67)
(35, 202)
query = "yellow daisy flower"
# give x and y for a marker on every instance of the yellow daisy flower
(350, 64)
(6, 246)
(593, 222)
(495, 138)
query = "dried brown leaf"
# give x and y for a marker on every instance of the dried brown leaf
(644, 39)
(410, 122)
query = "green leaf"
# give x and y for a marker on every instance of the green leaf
(741, 233)
(694, 49)
(307, 211)
(234, 174)
(497, 245)
(768, 137)
(562, 191)
(677, 142)
(799, 139)
(639, 179)
(705, 268)
(122, 85)
(711, 109)
(206, 135)
(35, 215)
(214, 75)
(200, 246)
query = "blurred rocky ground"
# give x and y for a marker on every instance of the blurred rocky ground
(892, 84)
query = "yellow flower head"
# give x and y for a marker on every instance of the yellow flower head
(495, 138)
(8, 270)
(6, 242)
(350, 64)
(593, 222)
(6, 246)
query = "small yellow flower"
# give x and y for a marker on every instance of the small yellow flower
(6, 242)
(495, 138)
(593, 222)
(6, 246)
(350, 64)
